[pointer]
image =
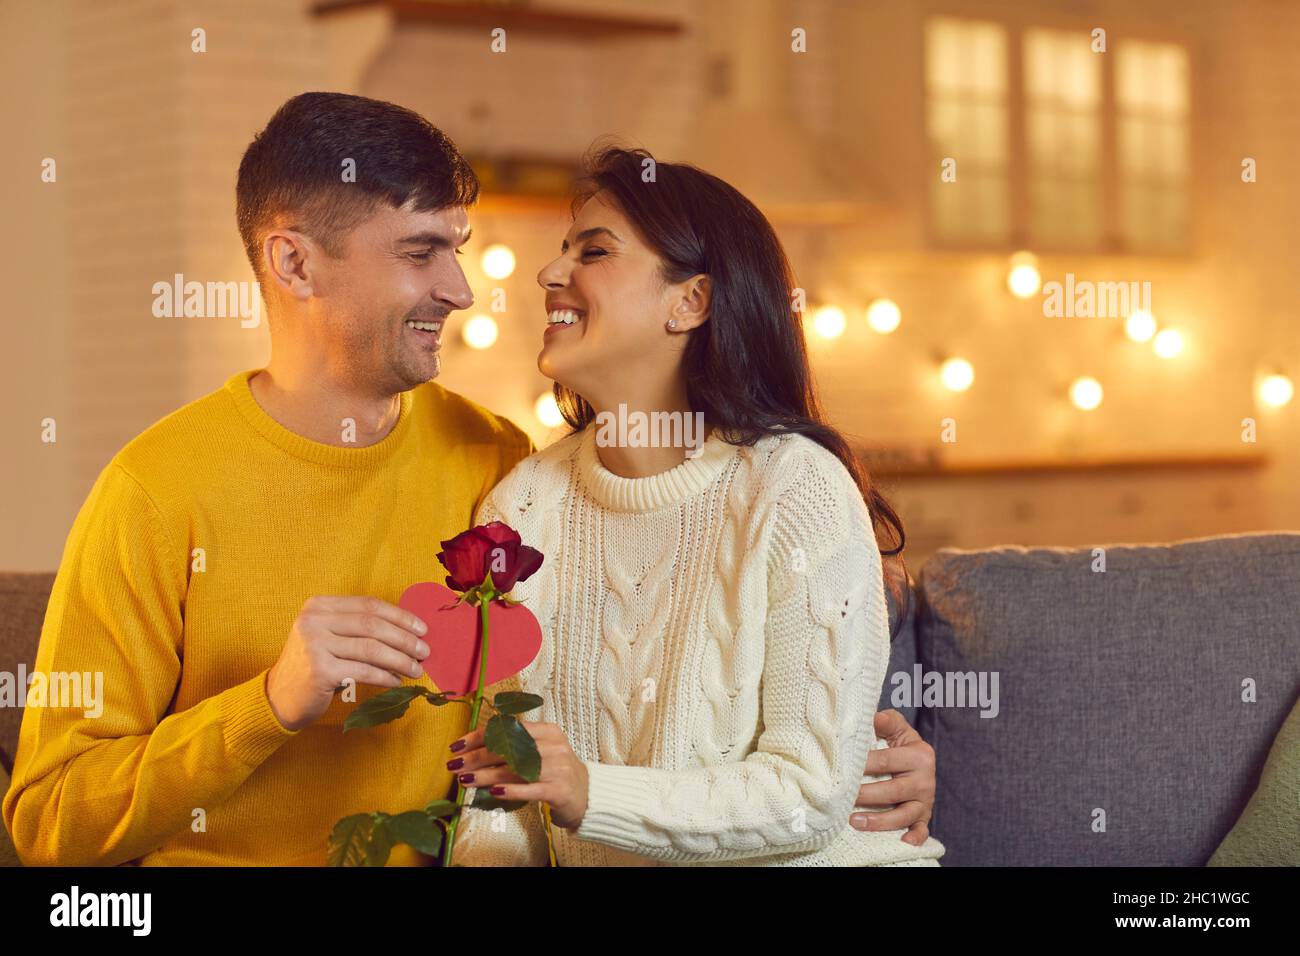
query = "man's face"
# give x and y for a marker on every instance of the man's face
(386, 299)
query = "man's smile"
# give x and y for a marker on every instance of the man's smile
(427, 333)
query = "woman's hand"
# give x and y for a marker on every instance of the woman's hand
(911, 760)
(562, 785)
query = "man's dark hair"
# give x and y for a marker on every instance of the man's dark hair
(292, 174)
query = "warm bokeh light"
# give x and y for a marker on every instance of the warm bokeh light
(480, 332)
(883, 315)
(1276, 390)
(498, 261)
(1023, 280)
(1168, 343)
(1140, 325)
(829, 322)
(957, 374)
(1085, 393)
(547, 412)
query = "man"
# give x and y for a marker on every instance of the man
(239, 561)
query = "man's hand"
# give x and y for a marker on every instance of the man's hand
(911, 760)
(336, 638)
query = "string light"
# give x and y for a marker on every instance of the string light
(1023, 280)
(1168, 343)
(498, 261)
(829, 322)
(957, 374)
(1276, 390)
(1086, 393)
(547, 412)
(1140, 325)
(883, 315)
(480, 332)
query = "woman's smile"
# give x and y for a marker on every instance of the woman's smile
(562, 316)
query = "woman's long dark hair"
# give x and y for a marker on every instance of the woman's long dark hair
(747, 366)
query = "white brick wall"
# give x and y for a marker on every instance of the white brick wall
(148, 137)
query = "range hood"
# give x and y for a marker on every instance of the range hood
(748, 134)
(741, 124)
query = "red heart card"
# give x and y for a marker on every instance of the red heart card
(514, 637)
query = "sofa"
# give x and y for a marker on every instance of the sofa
(1140, 692)
(1103, 706)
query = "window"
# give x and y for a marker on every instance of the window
(1063, 138)
(966, 79)
(1057, 146)
(1151, 81)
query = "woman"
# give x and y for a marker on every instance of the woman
(715, 628)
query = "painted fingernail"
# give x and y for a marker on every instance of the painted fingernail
(498, 790)
(456, 764)
(457, 746)
(466, 778)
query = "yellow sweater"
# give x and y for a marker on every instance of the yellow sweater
(180, 581)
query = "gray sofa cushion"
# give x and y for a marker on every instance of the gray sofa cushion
(900, 592)
(1119, 690)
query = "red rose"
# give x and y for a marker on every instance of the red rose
(495, 548)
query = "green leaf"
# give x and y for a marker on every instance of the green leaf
(506, 737)
(381, 841)
(416, 829)
(441, 697)
(348, 839)
(384, 707)
(484, 800)
(441, 808)
(514, 702)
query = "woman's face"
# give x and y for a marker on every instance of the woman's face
(606, 305)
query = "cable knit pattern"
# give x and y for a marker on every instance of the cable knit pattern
(715, 641)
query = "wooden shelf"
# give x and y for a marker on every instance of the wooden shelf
(882, 467)
(512, 16)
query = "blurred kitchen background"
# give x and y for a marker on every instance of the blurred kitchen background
(1162, 151)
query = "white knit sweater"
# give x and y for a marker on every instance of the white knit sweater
(715, 640)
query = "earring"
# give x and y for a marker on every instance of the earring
(672, 323)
